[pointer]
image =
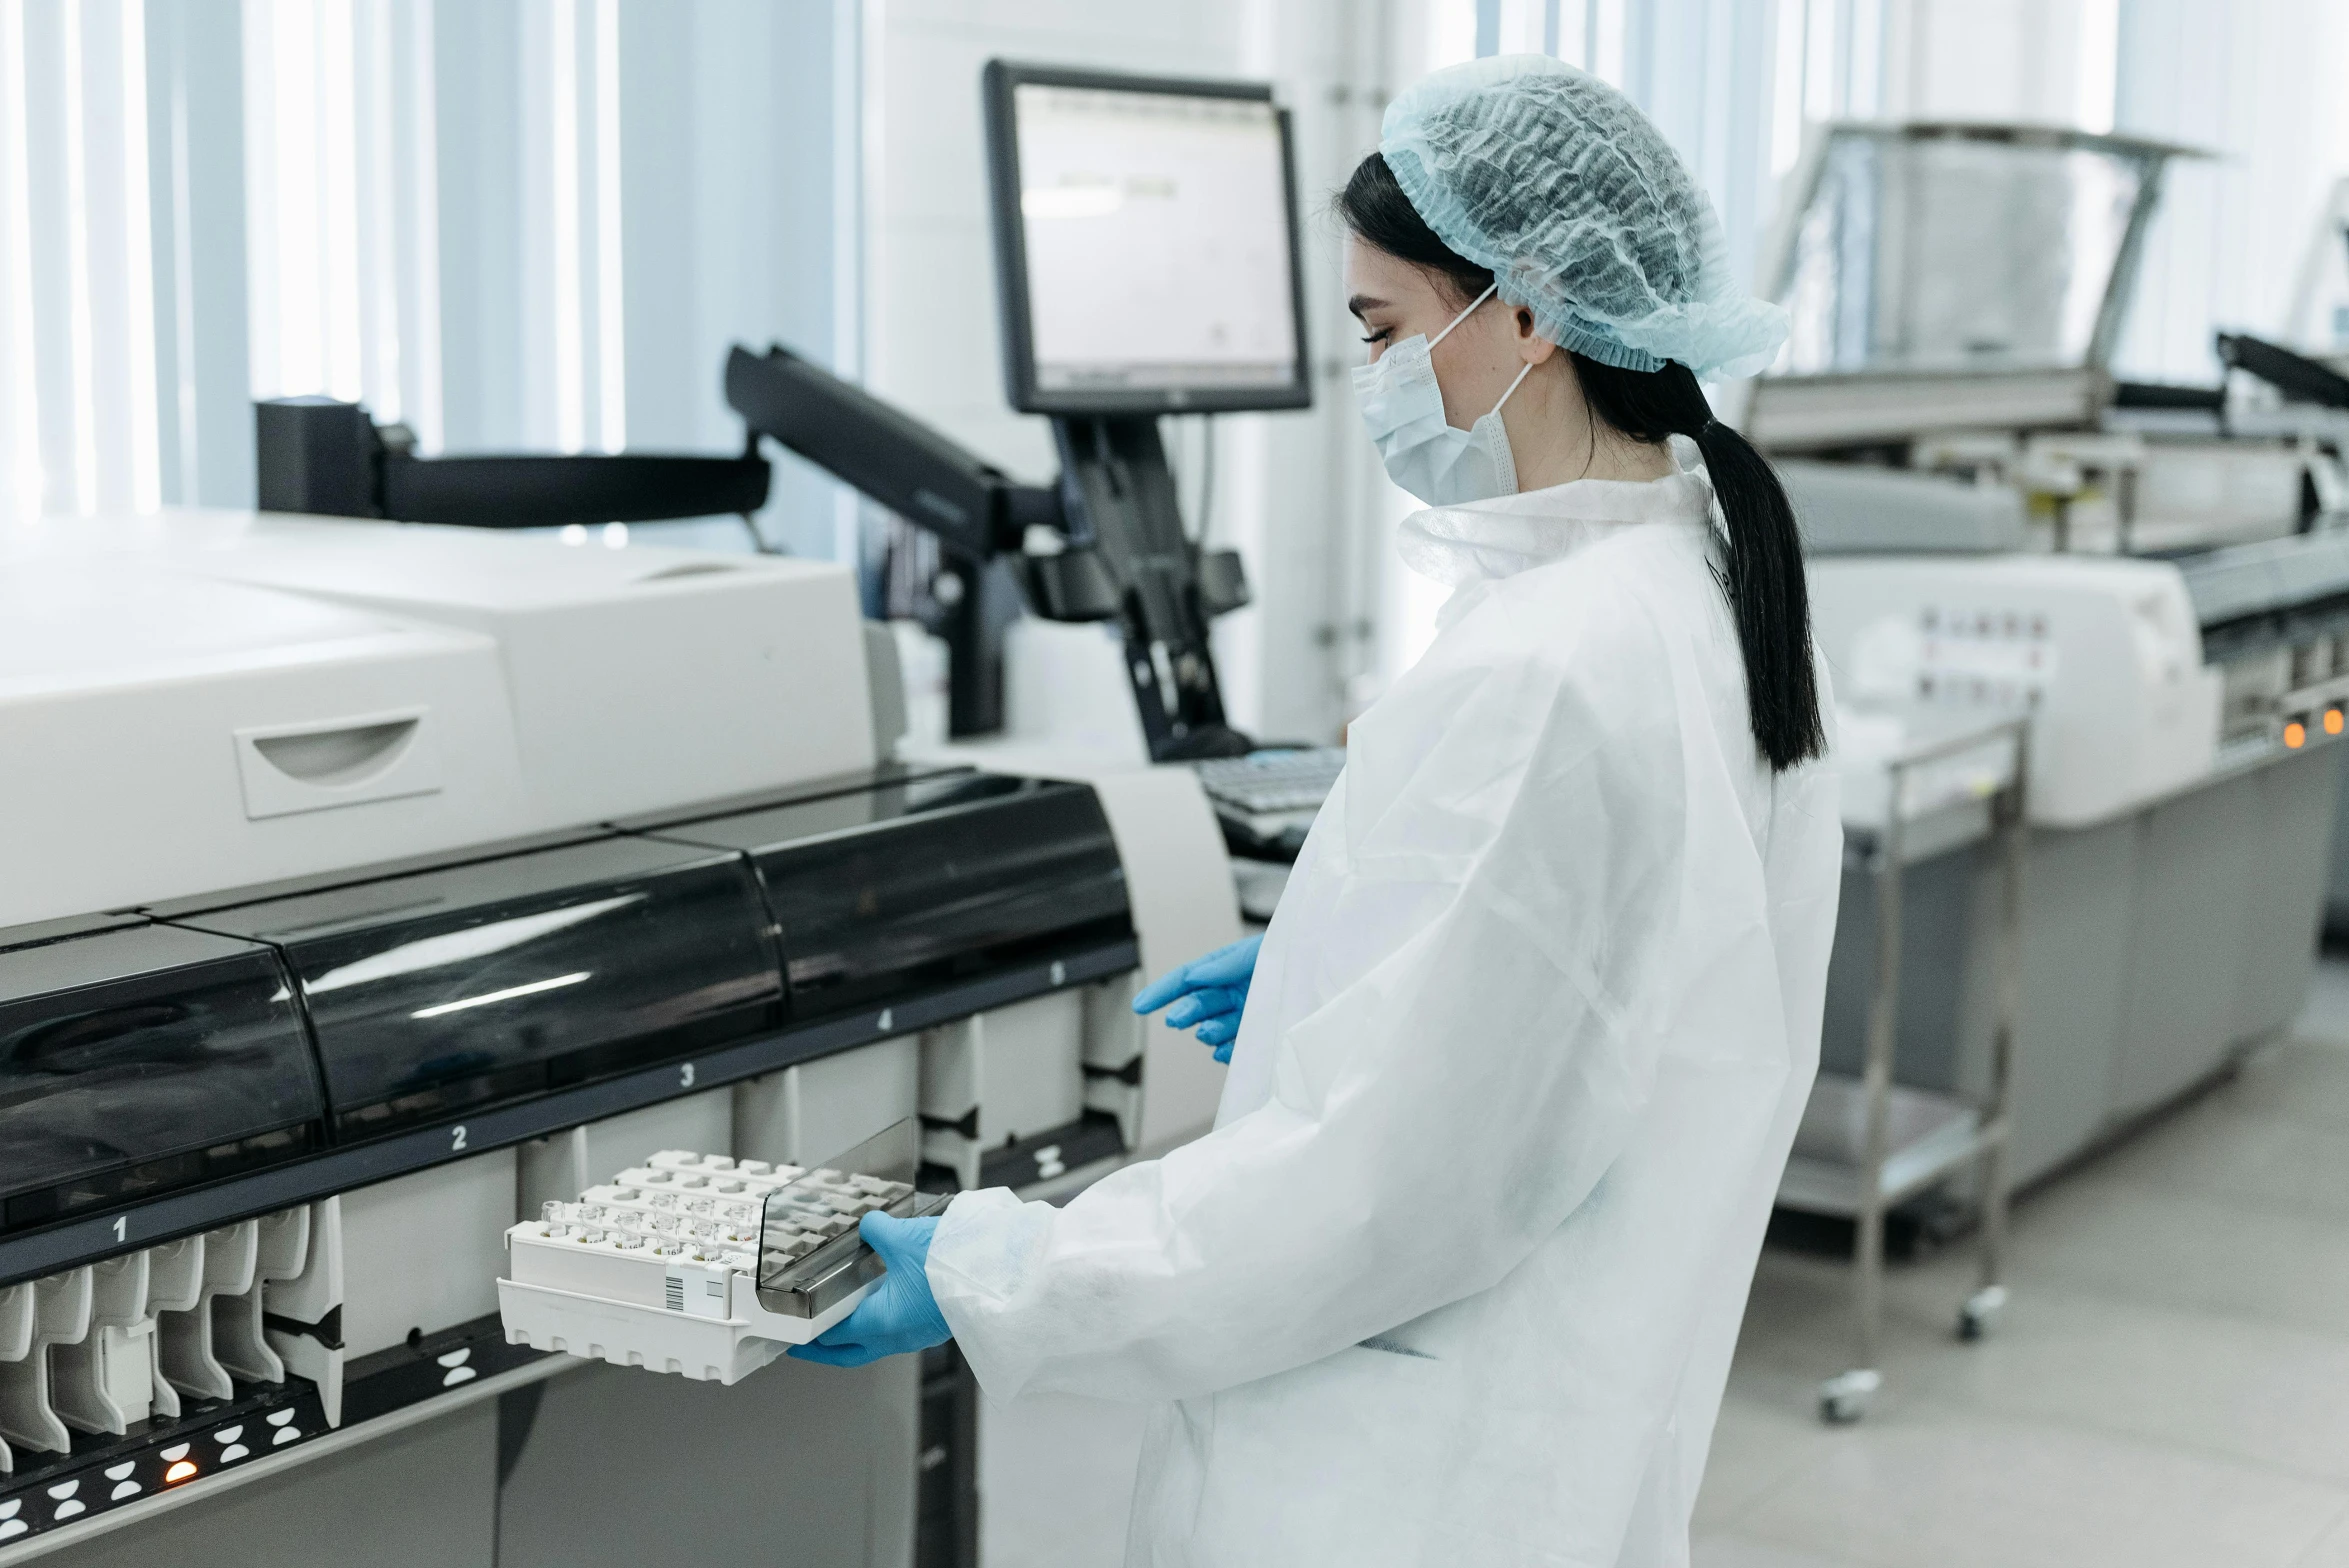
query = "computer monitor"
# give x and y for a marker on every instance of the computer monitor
(1145, 244)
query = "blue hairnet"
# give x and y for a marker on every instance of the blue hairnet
(1583, 212)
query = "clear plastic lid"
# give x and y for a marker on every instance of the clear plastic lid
(1949, 248)
(810, 1256)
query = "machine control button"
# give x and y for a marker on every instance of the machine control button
(121, 1472)
(126, 1489)
(12, 1528)
(457, 1358)
(229, 1434)
(458, 1375)
(285, 1434)
(64, 1489)
(68, 1510)
(280, 1417)
(175, 1453)
(9, 1509)
(233, 1451)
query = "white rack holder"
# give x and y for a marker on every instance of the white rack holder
(721, 1346)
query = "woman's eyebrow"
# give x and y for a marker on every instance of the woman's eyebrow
(1362, 302)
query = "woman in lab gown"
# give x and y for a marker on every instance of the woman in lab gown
(1457, 1275)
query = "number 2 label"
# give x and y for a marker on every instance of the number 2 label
(457, 1139)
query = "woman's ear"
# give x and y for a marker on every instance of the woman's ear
(1532, 347)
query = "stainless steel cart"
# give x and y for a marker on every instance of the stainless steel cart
(1867, 1143)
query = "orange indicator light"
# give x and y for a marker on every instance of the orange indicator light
(2295, 735)
(179, 1472)
(2332, 721)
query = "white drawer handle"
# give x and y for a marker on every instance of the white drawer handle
(340, 756)
(292, 768)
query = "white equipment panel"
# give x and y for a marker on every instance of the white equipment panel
(2108, 650)
(247, 698)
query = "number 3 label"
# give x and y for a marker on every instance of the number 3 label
(685, 1076)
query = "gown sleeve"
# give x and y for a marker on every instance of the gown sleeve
(1502, 890)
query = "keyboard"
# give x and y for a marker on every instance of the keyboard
(1268, 784)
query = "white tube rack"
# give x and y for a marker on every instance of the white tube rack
(658, 1268)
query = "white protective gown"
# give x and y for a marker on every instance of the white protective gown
(1457, 1275)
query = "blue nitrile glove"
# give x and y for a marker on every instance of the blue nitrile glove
(1207, 993)
(900, 1315)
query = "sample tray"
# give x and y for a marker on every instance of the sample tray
(704, 1266)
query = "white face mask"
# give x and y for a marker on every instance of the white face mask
(1403, 409)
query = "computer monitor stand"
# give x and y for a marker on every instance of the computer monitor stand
(1120, 502)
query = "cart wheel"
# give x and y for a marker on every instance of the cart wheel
(1981, 1312)
(1845, 1398)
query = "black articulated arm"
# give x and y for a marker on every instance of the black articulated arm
(978, 513)
(974, 508)
(1116, 548)
(330, 459)
(626, 487)
(2299, 378)
(1112, 545)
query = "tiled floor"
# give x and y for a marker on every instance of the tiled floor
(2170, 1385)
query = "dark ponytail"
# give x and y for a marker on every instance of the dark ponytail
(1763, 575)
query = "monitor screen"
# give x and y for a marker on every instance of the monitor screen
(1150, 247)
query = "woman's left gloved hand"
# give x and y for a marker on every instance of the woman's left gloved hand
(1208, 994)
(900, 1315)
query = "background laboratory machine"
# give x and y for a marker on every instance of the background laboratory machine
(2151, 576)
(492, 869)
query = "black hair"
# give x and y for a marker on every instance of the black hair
(1763, 574)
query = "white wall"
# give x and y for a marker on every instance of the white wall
(2047, 61)
(2260, 85)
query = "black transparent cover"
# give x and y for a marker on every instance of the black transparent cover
(445, 990)
(889, 891)
(144, 1060)
(810, 1255)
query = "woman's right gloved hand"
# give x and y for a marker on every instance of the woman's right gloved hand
(1207, 994)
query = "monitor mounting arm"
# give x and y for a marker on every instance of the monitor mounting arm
(1107, 543)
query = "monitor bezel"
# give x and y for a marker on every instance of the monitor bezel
(1000, 83)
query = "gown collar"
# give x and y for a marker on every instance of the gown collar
(1484, 541)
